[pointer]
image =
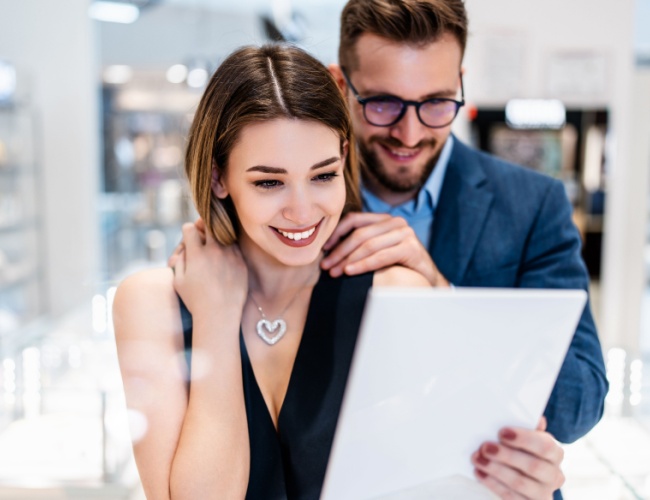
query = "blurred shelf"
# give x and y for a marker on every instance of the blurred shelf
(17, 226)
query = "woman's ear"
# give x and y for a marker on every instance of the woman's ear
(344, 151)
(218, 187)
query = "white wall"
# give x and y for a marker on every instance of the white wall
(514, 49)
(53, 46)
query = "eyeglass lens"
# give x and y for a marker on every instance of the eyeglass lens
(386, 111)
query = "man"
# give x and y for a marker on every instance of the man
(466, 218)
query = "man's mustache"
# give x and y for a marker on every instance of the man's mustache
(392, 142)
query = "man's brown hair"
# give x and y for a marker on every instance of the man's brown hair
(260, 84)
(414, 22)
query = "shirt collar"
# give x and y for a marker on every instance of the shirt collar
(427, 197)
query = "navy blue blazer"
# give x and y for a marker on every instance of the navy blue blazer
(501, 225)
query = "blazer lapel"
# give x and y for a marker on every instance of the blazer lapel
(462, 208)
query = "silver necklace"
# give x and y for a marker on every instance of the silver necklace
(272, 332)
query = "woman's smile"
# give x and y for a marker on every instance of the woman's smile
(298, 238)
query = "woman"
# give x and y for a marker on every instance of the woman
(271, 171)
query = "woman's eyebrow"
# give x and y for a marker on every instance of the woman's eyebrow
(325, 163)
(277, 170)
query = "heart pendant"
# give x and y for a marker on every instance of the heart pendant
(271, 331)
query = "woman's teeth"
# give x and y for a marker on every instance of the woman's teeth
(298, 236)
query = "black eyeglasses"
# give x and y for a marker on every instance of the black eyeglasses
(387, 110)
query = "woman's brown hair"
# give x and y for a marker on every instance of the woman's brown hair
(258, 84)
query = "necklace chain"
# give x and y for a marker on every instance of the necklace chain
(259, 308)
(272, 331)
(293, 299)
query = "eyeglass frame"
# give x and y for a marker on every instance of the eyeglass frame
(406, 103)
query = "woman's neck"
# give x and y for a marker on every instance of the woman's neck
(270, 280)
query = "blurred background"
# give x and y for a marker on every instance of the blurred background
(95, 102)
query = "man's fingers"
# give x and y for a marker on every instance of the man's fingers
(352, 221)
(372, 262)
(374, 245)
(360, 236)
(541, 425)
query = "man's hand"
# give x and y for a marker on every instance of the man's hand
(377, 241)
(524, 464)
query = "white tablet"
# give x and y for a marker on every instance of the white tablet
(436, 373)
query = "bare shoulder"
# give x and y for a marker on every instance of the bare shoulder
(399, 276)
(146, 302)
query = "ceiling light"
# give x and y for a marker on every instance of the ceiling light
(177, 73)
(114, 12)
(197, 78)
(535, 114)
(7, 81)
(117, 74)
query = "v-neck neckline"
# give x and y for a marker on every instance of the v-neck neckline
(311, 311)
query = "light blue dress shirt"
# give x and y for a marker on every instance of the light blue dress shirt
(419, 211)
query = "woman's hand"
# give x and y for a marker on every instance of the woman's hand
(180, 248)
(208, 275)
(524, 464)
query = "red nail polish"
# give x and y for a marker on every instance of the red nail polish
(480, 473)
(482, 460)
(508, 434)
(491, 449)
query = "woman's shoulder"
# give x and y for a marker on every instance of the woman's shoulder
(149, 278)
(149, 284)
(146, 297)
(399, 276)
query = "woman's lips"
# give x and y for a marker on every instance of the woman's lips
(297, 238)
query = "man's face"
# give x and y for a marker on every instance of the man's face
(399, 158)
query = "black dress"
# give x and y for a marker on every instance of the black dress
(290, 463)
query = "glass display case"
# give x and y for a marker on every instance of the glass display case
(21, 268)
(146, 197)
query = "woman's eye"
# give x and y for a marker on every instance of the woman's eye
(326, 177)
(267, 184)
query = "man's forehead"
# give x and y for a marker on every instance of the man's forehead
(370, 46)
(388, 66)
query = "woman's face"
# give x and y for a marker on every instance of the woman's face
(285, 178)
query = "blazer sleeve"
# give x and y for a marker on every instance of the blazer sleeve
(552, 259)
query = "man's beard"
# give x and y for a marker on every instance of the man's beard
(371, 166)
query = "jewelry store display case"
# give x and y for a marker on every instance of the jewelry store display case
(574, 153)
(21, 259)
(146, 197)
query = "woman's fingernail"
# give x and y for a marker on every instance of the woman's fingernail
(491, 449)
(480, 473)
(508, 434)
(482, 460)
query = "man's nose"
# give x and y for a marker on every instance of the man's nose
(409, 130)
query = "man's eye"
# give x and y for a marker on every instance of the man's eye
(326, 177)
(267, 184)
